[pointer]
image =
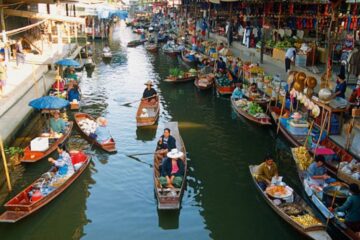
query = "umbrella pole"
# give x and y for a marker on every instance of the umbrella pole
(5, 165)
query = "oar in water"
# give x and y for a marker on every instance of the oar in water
(139, 160)
(129, 103)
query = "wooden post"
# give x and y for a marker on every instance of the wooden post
(321, 132)
(309, 132)
(281, 113)
(7, 175)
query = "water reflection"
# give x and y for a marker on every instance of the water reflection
(146, 133)
(169, 219)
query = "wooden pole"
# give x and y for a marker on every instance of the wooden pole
(309, 132)
(7, 175)
(321, 132)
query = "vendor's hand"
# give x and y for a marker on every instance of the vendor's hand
(325, 176)
(50, 159)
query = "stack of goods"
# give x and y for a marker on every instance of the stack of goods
(296, 124)
(306, 220)
(251, 108)
(252, 71)
(176, 73)
(351, 169)
(88, 126)
(291, 209)
(192, 72)
(205, 80)
(223, 81)
(302, 157)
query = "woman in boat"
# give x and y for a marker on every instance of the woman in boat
(57, 124)
(59, 84)
(237, 93)
(149, 93)
(172, 170)
(165, 143)
(317, 170)
(352, 208)
(101, 132)
(340, 88)
(63, 164)
(74, 93)
(71, 74)
(266, 171)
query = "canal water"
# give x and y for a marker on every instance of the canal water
(114, 198)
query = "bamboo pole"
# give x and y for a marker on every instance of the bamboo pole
(321, 132)
(7, 175)
(309, 132)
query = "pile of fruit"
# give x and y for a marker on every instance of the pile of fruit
(254, 108)
(306, 220)
(223, 81)
(176, 72)
(303, 158)
(256, 70)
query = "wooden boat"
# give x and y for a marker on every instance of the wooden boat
(190, 63)
(152, 47)
(172, 52)
(204, 85)
(316, 231)
(314, 197)
(295, 140)
(107, 147)
(259, 120)
(135, 43)
(224, 90)
(165, 198)
(107, 55)
(34, 156)
(153, 112)
(186, 78)
(21, 205)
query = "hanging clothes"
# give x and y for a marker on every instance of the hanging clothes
(354, 62)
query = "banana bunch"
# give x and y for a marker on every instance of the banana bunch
(65, 116)
(303, 157)
(306, 220)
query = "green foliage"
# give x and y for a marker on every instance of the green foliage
(12, 151)
(176, 72)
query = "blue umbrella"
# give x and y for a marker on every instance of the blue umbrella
(68, 62)
(48, 102)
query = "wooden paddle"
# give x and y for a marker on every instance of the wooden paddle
(331, 206)
(129, 103)
(139, 160)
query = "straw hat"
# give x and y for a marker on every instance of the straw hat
(174, 153)
(149, 83)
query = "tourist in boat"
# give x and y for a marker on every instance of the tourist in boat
(172, 170)
(351, 208)
(317, 170)
(63, 164)
(149, 93)
(340, 88)
(74, 93)
(165, 143)
(266, 171)
(237, 93)
(102, 133)
(57, 124)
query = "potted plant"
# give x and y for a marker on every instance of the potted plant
(14, 153)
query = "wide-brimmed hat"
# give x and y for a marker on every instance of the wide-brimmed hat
(149, 83)
(174, 153)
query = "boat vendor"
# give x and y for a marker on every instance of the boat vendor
(101, 132)
(253, 89)
(172, 170)
(317, 170)
(165, 143)
(63, 164)
(237, 93)
(57, 124)
(266, 171)
(59, 84)
(340, 88)
(74, 93)
(351, 208)
(71, 74)
(149, 93)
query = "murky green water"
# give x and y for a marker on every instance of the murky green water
(114, 198)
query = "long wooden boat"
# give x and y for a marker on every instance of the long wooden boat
(295, 140)
(186, 78)
(151, 47)
(135, 43)
(224, 90)
(34, 156)
(22, 205)
(316, 231)
(170, 199)
(153, 112)
(201, 86)
(107, 147)
(315, 197)
(261, 120)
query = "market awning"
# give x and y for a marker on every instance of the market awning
(35, 15)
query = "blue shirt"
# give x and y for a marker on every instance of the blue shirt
(314, 170)
(290, 53)
(64, 164)
(102, 134)
(237, 93)
(57, 125)
(341, 87)
(73, 94)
